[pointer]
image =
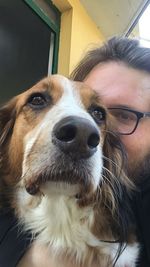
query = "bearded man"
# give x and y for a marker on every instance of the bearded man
(120, 72)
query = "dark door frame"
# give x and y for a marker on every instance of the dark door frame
(54, 26)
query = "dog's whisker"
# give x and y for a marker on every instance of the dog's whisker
(112, 176)
(112, 162)
(109, 191)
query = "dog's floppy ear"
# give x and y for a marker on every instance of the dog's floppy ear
(117, 186)
(7, 119)
(115, 155)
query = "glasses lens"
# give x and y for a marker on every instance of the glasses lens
(125, 120)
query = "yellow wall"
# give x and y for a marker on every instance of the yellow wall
(77, 34)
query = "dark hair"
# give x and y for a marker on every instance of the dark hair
(119, 49)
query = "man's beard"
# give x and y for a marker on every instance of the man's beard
(139, 171)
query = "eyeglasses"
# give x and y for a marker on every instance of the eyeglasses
(127, 119)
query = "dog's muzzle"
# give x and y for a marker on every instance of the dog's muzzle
(75, 140)
(76, 136)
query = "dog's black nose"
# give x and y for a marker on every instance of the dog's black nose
(76, 136)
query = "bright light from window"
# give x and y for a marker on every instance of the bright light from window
(144, 28)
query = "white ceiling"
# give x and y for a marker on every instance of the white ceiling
(114, 17)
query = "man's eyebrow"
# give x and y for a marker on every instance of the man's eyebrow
(121, 106)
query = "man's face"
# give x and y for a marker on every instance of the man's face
(120, 85)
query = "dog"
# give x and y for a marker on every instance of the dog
(61, 173)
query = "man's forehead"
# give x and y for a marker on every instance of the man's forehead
(119, 84)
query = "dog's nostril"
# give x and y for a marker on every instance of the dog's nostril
(93, 140)
(66, 133)
(76, 136)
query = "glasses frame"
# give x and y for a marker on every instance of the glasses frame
(139, 115)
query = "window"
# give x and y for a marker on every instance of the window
(29, 36)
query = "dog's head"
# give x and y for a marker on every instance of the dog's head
(53, 132)
(57, 137)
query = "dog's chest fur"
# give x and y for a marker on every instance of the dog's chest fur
(66, 238)
(61, 222)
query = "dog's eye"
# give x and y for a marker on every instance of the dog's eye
(98, 114)
(37, 100)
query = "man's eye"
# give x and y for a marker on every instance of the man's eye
(37, 100)
(98, 114)
(125, 117)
